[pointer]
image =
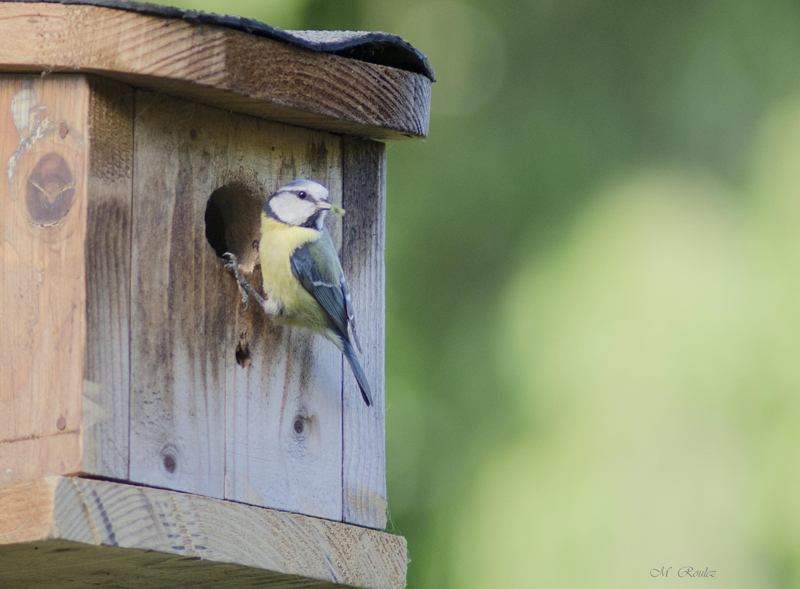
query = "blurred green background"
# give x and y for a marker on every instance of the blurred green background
(593, 323)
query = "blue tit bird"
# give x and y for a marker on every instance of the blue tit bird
(303, 281)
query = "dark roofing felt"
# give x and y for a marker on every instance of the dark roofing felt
(372, 47)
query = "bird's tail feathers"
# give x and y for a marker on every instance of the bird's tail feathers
(358, 372)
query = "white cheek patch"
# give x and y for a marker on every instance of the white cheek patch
(291, 210)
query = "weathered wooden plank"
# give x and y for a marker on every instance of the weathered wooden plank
(217, 66)
(364, 467)
(36, 456)
(281, 434)
(178, 329)
(106, 387)
(284, 415)
(43, 215)
(92, 532)
(26, 510)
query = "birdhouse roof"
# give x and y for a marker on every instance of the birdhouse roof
(229, 61)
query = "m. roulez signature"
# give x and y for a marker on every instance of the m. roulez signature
(683, 572)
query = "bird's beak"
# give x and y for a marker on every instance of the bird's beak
(327, 206)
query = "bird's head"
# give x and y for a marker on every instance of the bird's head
(300, 203)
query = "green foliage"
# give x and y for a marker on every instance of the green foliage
(340, 15)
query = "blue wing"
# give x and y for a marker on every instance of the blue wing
(318, 269)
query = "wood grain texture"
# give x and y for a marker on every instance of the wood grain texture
(137, 312)
(219, 67)
(106, 389)
(284, 413)
(43, 212)
(37, 456)
(179, 325)
(26, 510)
(363, 244)
(268, 430)
(72, 532)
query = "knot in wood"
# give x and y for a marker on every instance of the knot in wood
(169, 460)
(49, 190)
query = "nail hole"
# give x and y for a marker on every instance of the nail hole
(299, 425)
(61, 423)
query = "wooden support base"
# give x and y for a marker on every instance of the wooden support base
(71, 532)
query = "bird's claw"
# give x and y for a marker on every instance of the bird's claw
(231, 261)
(233, 265)
(245, 298)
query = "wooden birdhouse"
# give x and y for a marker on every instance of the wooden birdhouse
(153, 431)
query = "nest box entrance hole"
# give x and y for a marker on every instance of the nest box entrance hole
(232, 217)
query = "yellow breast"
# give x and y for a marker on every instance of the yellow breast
(287, 300)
